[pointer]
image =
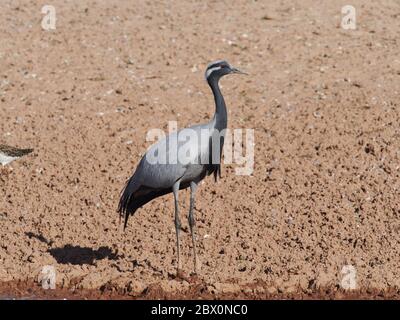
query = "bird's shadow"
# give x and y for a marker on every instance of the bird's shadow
(77, 255)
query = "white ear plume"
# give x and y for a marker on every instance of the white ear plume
(211, 70)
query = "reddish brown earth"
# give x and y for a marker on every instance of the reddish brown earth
(324, 106)
(257, 291)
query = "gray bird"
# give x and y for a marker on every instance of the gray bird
(9, 154)
(153, 179)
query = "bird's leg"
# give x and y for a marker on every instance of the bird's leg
(175, 190)
(192, 222)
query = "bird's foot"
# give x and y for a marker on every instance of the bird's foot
(193, 277)
(180, 275)
(194, 273)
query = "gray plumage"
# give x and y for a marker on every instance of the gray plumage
(152, 180)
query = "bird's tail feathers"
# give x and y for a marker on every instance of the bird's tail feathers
(124, 207)
(217, 172)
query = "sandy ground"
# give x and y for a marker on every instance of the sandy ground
(323, 103)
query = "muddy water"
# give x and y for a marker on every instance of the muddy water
(31, 291)
(10, 297)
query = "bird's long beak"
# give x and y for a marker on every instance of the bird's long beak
(234, 70)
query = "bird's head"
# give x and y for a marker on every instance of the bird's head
(217, 69)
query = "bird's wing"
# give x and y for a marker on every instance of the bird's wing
(158, 168)
(166, 161)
